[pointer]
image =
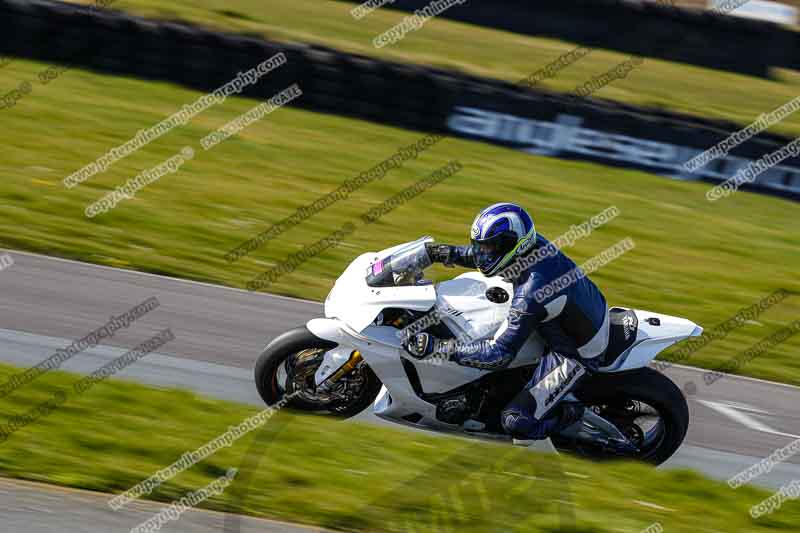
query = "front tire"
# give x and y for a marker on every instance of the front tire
(288, 364)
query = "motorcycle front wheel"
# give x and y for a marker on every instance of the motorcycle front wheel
(287, 366)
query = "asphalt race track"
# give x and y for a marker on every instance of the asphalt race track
(47, 303)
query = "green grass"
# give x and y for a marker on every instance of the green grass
(508, 56)
(323, 472)
(693, 259)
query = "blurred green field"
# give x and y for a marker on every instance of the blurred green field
(692, 259)
(660, 84)
(370, 478)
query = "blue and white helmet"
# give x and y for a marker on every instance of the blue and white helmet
(500, 233)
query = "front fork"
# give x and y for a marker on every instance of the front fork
(328, 374)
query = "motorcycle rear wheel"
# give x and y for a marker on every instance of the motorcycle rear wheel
(626, 397)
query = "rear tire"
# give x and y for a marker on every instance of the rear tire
(277, 352)
(652, 388)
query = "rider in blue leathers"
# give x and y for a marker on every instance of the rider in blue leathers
(551, 296)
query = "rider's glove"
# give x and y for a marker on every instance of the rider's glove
(439, 253)
(421, 345)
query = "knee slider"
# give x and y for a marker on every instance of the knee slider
(516, 424)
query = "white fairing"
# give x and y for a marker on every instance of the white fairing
(652, 339)
(352, 308)
(471, 316)
(356, 304)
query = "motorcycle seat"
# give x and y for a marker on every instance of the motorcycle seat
(623, 328)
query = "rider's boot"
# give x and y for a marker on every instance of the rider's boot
(570, 413)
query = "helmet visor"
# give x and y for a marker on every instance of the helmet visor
(489, 252)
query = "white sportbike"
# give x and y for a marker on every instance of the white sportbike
(353, 357)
